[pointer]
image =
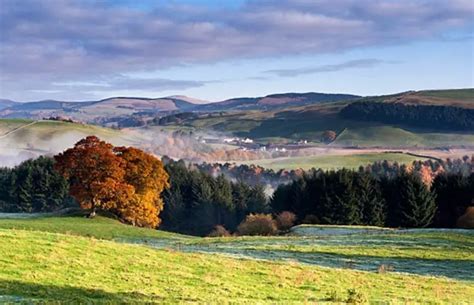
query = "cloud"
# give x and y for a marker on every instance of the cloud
(359, 63)
(60, 40)
(123, 82)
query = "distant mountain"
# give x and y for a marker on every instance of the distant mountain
(4, 103)
(118, 108)
(275, 101)
(100, 111)
(94, 110)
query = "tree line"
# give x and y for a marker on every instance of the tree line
(144, 191)
(346, 197)
(33, 187)
(196, 201)
(427, 116)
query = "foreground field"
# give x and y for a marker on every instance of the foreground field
(77, 260)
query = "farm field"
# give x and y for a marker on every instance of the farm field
(332, 161)
(73, 259)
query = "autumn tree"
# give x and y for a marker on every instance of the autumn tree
(125, 181)
(147, 176)
(328, 136)
(95, 174)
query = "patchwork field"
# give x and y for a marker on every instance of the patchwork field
(309, 123)
(332, 161)
(78, 260)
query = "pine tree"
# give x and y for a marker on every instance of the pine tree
(24, 190)
(370, 200)
(417, 205)
(257, 202)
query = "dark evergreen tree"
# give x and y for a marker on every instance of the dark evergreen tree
(454, 194)
(417, 205)
(370, 200)
(33, 186)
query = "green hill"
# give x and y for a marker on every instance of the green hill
(310, 122)
(78, 260)
(22, 139)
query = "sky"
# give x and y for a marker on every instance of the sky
(214, 50)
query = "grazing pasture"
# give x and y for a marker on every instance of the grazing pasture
(332, 161)
(79, 260)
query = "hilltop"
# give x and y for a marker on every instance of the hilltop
(309, 122)
(110, 108)
(286, 122)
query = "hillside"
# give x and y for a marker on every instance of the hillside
(91, 111)
(111, 109)
(275, 101)
(73, 261)
(22, 139)
(309, 123)
(183, 134)
(6, 103)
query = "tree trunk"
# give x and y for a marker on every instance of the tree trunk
(93, 211)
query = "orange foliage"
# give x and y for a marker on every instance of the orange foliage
(124, 181)
(147, 175)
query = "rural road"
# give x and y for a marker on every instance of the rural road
(16, 129)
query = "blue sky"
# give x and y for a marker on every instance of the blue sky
(213, 50)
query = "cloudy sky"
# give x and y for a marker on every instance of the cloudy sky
(211, 49)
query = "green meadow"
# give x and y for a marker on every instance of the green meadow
(79, 260)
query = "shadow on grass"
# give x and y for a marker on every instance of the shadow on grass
(450, 268)
(28, 293)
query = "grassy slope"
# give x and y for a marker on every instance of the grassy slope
(309, 123)
(52, 136)
(37, 264)
(328, 162)
(458, 94)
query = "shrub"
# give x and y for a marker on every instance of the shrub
(285, 220)
(356, 297)
(311, 219)
(328, 136)
(466, 221)
(219, 231)
(258, 224)
(385, 268)
(335, 296)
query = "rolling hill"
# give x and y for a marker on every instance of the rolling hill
(278, 125)
(275, 101)
(21, 139)
(309, 122)
(92, 111)
(101, 261)
(6, 103)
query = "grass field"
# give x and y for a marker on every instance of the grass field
(78, 260)
(457, 94)
(328, 162)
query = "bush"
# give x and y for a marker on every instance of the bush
(311, 219)
(285, 220)
(466, 221)
(219, 231)
(258, 224)
(385, 268)
(328, 136)
(356, 297)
